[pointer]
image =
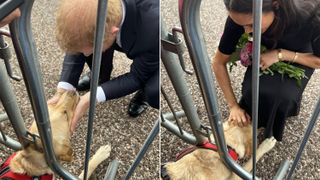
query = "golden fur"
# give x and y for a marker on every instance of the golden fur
(32, 162)
(203, 164)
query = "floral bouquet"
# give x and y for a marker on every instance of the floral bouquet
(243, 53)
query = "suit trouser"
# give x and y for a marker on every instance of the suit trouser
(151, 90)
(73, 66)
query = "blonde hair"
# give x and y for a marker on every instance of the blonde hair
(76, 23)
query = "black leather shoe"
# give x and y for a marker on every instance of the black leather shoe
(84, 83)
(137, 104)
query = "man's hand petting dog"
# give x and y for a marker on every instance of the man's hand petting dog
(81, 109)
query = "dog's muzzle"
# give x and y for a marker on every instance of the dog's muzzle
(164, 174)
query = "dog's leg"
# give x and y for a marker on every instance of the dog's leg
(263, 148)
(102, 154)
(63, 149)
(67, 155)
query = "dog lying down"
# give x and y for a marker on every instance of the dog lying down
(205, 164)
(31, 160)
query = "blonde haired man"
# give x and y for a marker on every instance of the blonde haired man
(132, 27)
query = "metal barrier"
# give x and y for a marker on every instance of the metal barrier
(189, 11)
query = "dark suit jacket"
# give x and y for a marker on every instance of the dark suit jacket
(139, 41)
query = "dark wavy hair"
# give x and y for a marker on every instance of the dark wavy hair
(287, 13)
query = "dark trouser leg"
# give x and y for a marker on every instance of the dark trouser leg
(279, 98)
(106, 65)
(105, 70)
(151, 91)
(72, 68)
(148, 95)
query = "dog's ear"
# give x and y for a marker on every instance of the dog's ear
(226, 125)
(68, 115)
(248, 148)
(16, 165)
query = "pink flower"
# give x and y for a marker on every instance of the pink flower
(245, 54)
(249, 47)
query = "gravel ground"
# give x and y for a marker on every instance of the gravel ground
(212, 20)
(112, 125)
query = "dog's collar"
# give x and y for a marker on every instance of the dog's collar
(206, 145)
(231, 151)
(6, 173)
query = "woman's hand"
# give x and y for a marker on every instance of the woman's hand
(268, 58)
(239, 116)
(81, 109)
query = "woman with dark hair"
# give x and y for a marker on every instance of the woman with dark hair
(291, 33)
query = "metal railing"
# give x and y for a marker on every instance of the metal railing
(189, 11)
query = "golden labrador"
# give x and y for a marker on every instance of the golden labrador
(31, 160)
(204, 164)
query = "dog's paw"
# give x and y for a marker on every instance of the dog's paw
(268, 144)
(103, 152)
(66, 157)
(106, 149)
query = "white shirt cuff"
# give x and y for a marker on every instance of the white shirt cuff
(66, 86)
(100, 94)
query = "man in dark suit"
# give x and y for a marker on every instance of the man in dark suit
(132, 27)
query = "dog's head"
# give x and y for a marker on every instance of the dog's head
(65, 105)
(31, 160)
(239, 138)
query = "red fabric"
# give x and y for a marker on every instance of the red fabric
(15, 176)
(185, 151)
(206, 145)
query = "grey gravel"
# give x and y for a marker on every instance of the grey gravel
(213, 15)
(112, 125)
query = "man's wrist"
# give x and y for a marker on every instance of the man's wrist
(66, 86)
(101, 97)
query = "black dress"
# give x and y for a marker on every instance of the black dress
(279, 96)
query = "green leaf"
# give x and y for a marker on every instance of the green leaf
(282, 68)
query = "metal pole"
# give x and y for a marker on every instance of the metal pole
(10, 143)
(27, 56)
(9, 102)
(282, 171)
(257, 11)
(166, 98)
(112, 170)
(179, 83)
(190, 21)
(99, 38)
(8, 6)
(154, 132)
(166, 121)
(306, 136)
